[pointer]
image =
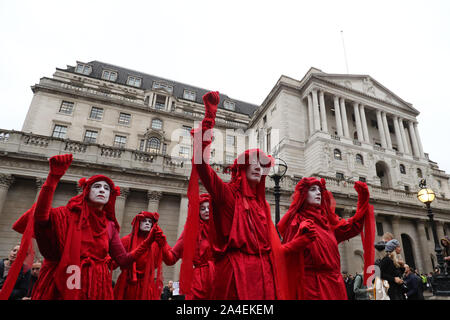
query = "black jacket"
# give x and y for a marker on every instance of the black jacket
(21, 286)
(414, 284)
(389, 272)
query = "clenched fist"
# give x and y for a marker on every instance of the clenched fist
(361, 188)
(211, 101)
(59, 164)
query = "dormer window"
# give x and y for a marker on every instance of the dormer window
(229, 105)
(109, 75)
(83, 69)
(134, 81)
(162, 85)
(189, 95)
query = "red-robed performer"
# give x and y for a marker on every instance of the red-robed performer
(203, 273)
(141, 282)
(244, 241)
(78, 240)
(314, 267)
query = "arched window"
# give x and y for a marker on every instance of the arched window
(419, 173)
(402, 169)
(359, 159)
(153, 145)
(337, 154)
(156, 124)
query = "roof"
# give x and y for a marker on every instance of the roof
(147, 84)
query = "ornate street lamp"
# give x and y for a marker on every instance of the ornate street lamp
(440, 282)
(276, 173)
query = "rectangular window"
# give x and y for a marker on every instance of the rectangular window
(186, 131)
(134, 81)
(142, 145)
(66, 107)
(90, 136)
(164, 148)
(229, 105)
(407, 189)
(96, 113)
(124, 118)
(120, 141)
(83, 68)
(160, 103)
(185, 152)
(162, 85)
(339, 176)
(189, 95)
(229, 158)
(380, 230)
(109, 75)
(59, 131)
(231, 140)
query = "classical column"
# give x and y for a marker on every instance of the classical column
(6, 180)
(386, 130)
(344, 119)
(402, 131)
(440, 230)
(323, 111)
(398, 135)
(316, 111)
(396, 228)
(153, 200)
(120, 204)
(381, 129)
(415, 145)
(310, 114)
(348, 247)
(337, 113)
(423, 245)
(39, 184)
(358, 122)
(362, 113)
(419, 142)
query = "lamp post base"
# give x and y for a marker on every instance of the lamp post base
(440, 283)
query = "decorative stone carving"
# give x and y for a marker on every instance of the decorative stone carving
(154, 195)
(368, 87)
(6, 180)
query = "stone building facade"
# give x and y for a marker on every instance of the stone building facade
(133, 127)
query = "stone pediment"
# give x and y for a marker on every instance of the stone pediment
(368, 86)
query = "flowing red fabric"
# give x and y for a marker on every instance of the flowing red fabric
(25, 255)
(129, 285)
(331, 230)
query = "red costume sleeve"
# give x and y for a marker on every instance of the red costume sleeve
(172, 255)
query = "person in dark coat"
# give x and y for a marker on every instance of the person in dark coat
(167, 293)
(413, 284)
(21, 286)
(391, 270)
(35, 269)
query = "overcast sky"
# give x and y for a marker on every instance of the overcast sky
(240, 48)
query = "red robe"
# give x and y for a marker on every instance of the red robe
(126, 288)
(315, 270)
(203, 275)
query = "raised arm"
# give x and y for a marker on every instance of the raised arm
(203, 137)
(305, 235)
(354, 225)
(172, 255)
(45, 233)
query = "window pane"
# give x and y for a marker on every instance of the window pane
(90, 136)
(66, 107)
(120, 141)
(156, 124)
(96, 113)
(59, 131)
(229, 105)
(124, 118)
(153, 145)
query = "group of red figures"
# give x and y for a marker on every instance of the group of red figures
(230, 248)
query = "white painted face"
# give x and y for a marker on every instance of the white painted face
(146, 225)
(314, 195)
(254, 173)
(99, 193)
(204, 210)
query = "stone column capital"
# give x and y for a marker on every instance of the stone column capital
(124, 192)
(6, 180)
(154, 195)
(40, 182)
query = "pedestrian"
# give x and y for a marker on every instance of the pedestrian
(78, 240)
(35, 269)
(202, 264)
(143, 281)
(21, 284)
(167, 291)
(413, 285)
(316, 267)
(445, 242)
(390, 270)
(361, 291)
(244, 241)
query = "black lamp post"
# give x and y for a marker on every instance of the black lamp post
(440, 282)
(276, 173)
